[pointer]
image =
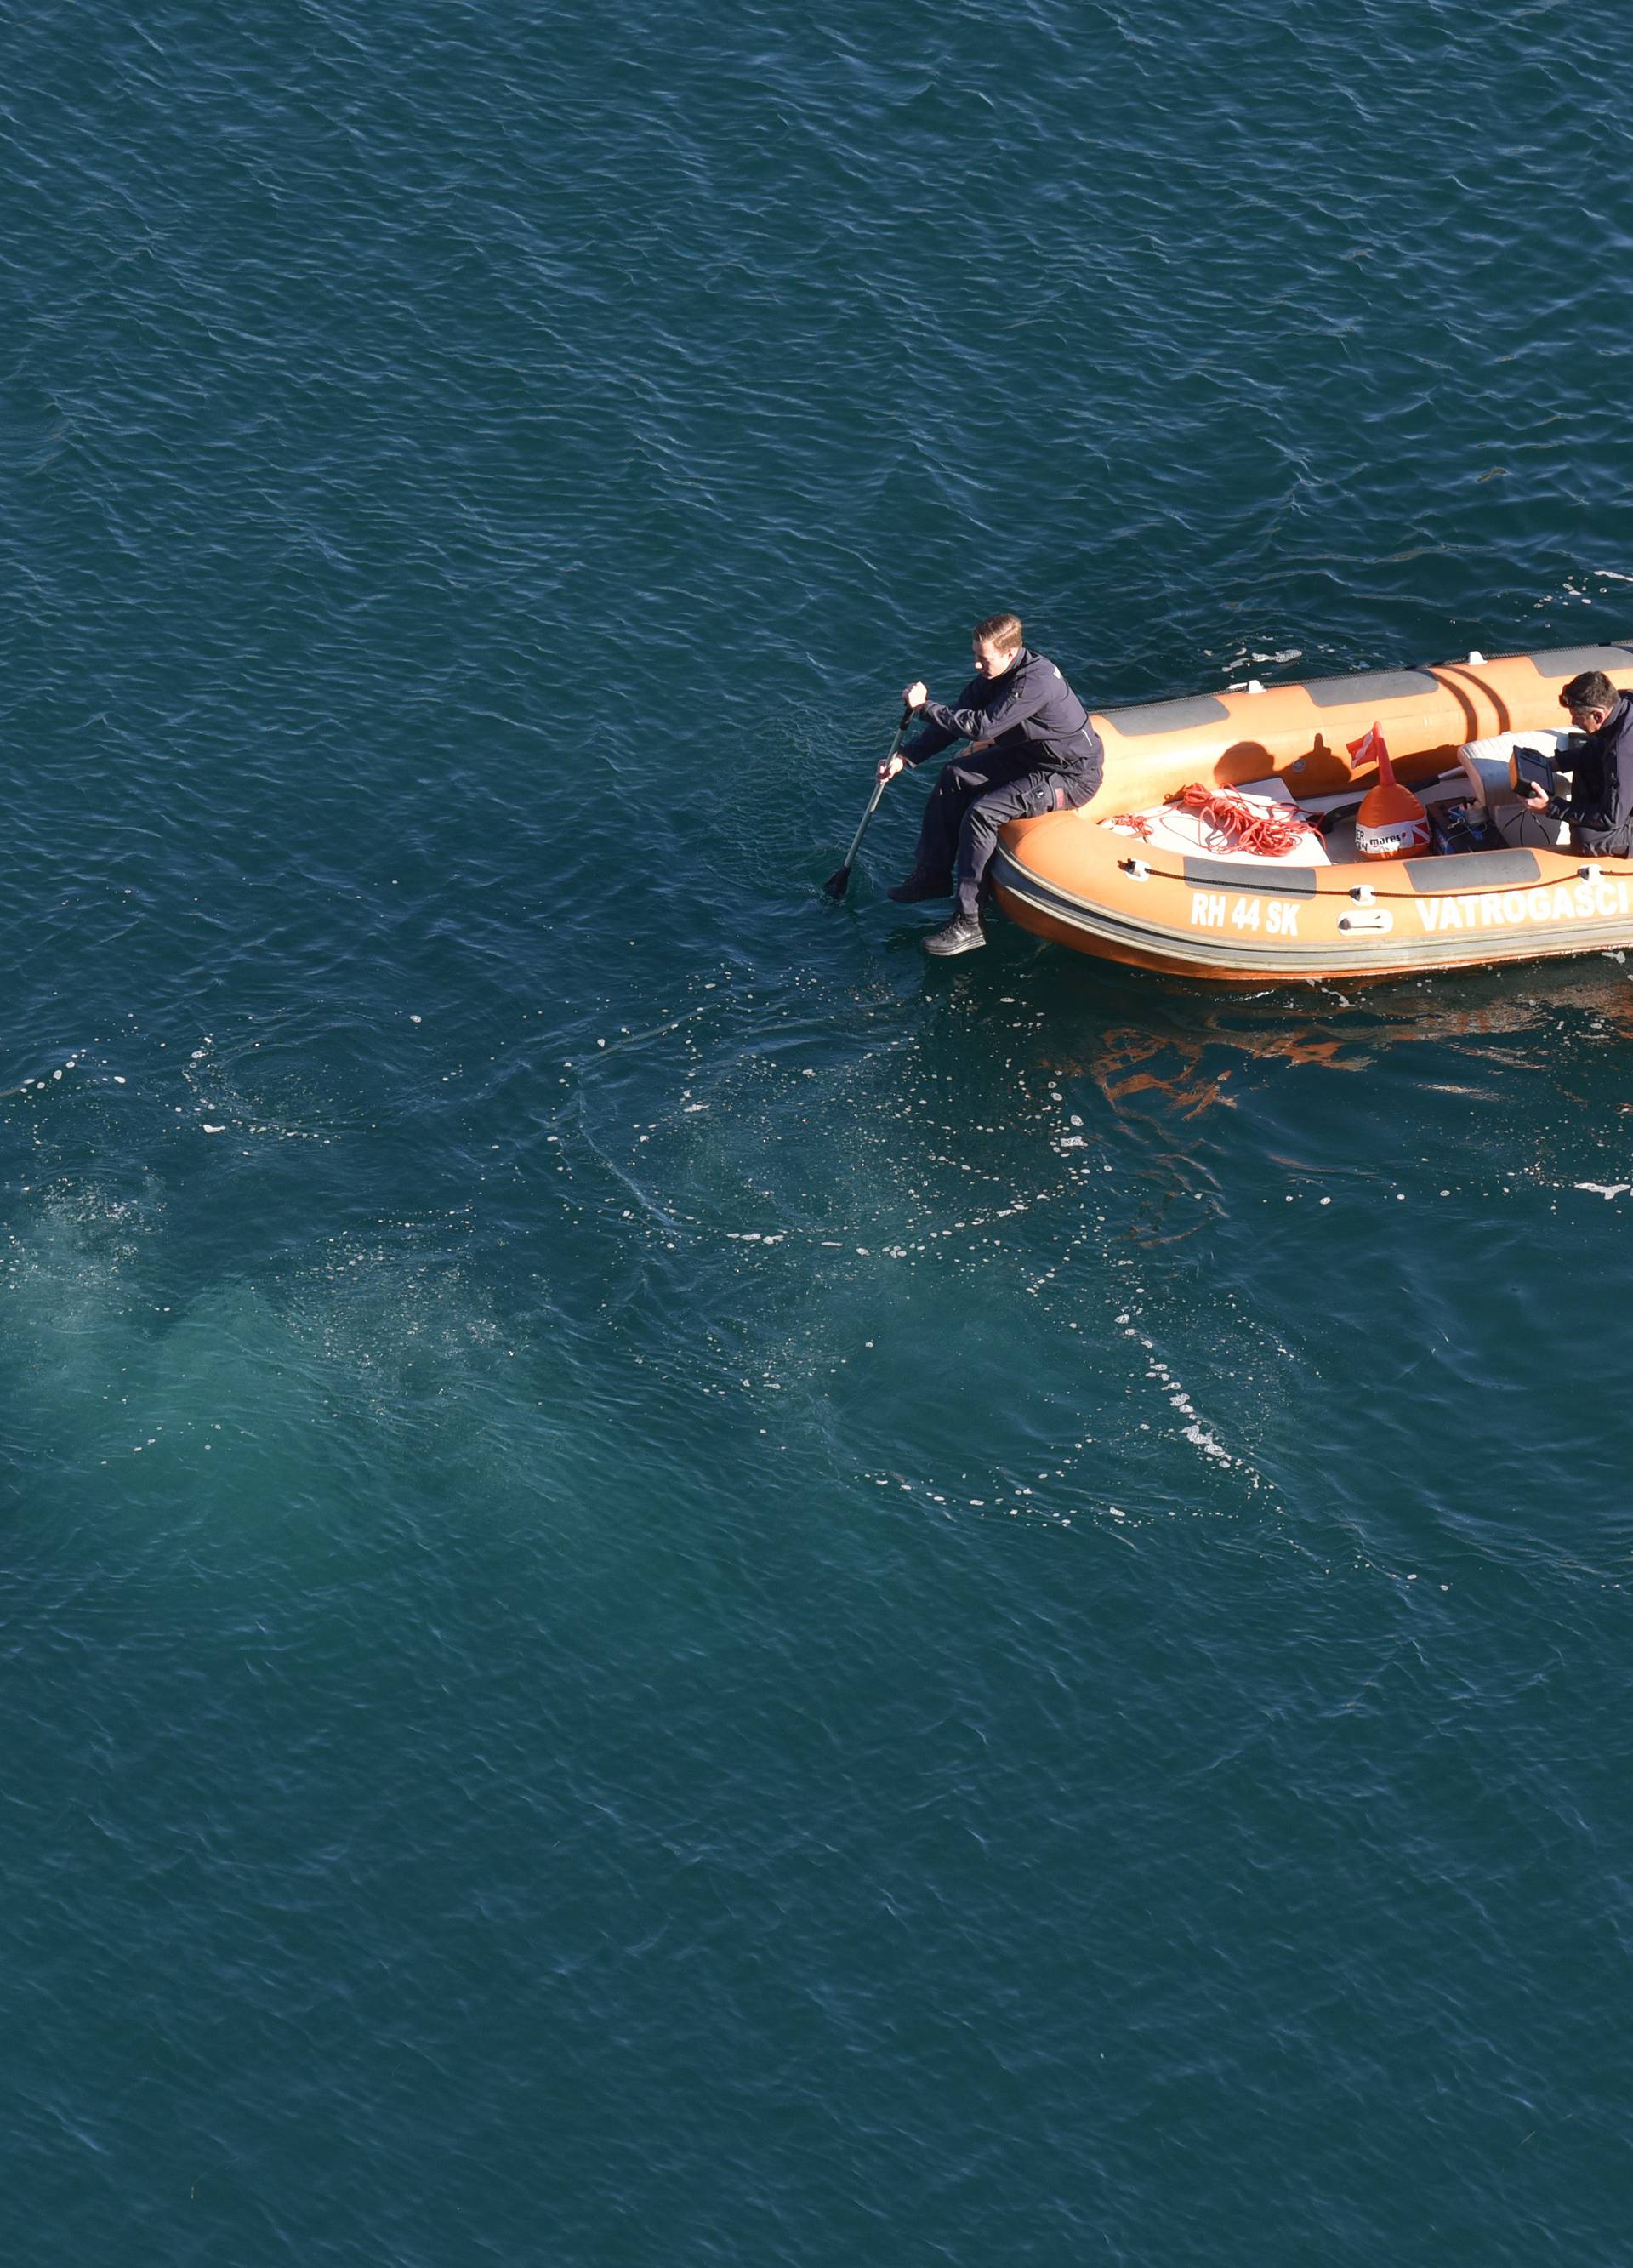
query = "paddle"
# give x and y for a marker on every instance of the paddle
(838, 883)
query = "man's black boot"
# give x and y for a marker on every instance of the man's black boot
(920, 884)
(962, 934)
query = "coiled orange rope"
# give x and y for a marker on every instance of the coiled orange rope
(1262, 830)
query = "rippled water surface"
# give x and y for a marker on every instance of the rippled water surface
(679, 1588)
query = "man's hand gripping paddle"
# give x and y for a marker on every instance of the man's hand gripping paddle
(837, 884)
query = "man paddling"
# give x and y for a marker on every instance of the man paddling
(1033, 749)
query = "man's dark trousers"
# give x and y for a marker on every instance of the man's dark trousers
(977, 794)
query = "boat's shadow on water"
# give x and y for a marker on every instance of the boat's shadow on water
(1484, 1070)
(1111, 1010)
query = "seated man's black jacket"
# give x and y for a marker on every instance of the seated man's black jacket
(1030, 709)
(1600, 802)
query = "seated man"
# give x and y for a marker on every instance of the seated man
(1033, 749)
(1600, 806)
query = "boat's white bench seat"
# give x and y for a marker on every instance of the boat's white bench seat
(1485, 762)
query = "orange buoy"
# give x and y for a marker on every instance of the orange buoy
(1391, 822)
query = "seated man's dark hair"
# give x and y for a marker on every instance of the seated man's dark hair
(1593, 689)
(1002, 631)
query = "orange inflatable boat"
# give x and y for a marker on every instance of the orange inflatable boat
(1139, 878)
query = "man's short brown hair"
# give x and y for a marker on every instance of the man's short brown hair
(1593, 689)
(1001, 631)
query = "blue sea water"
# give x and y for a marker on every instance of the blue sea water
(679, 1589)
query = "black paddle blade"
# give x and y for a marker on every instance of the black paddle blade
(836, 885)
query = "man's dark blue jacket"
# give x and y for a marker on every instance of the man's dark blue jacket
(1030, 711)
(1601, 804)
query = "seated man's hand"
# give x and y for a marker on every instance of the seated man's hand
(915, 695)
(890, 765)
(1532, 796)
